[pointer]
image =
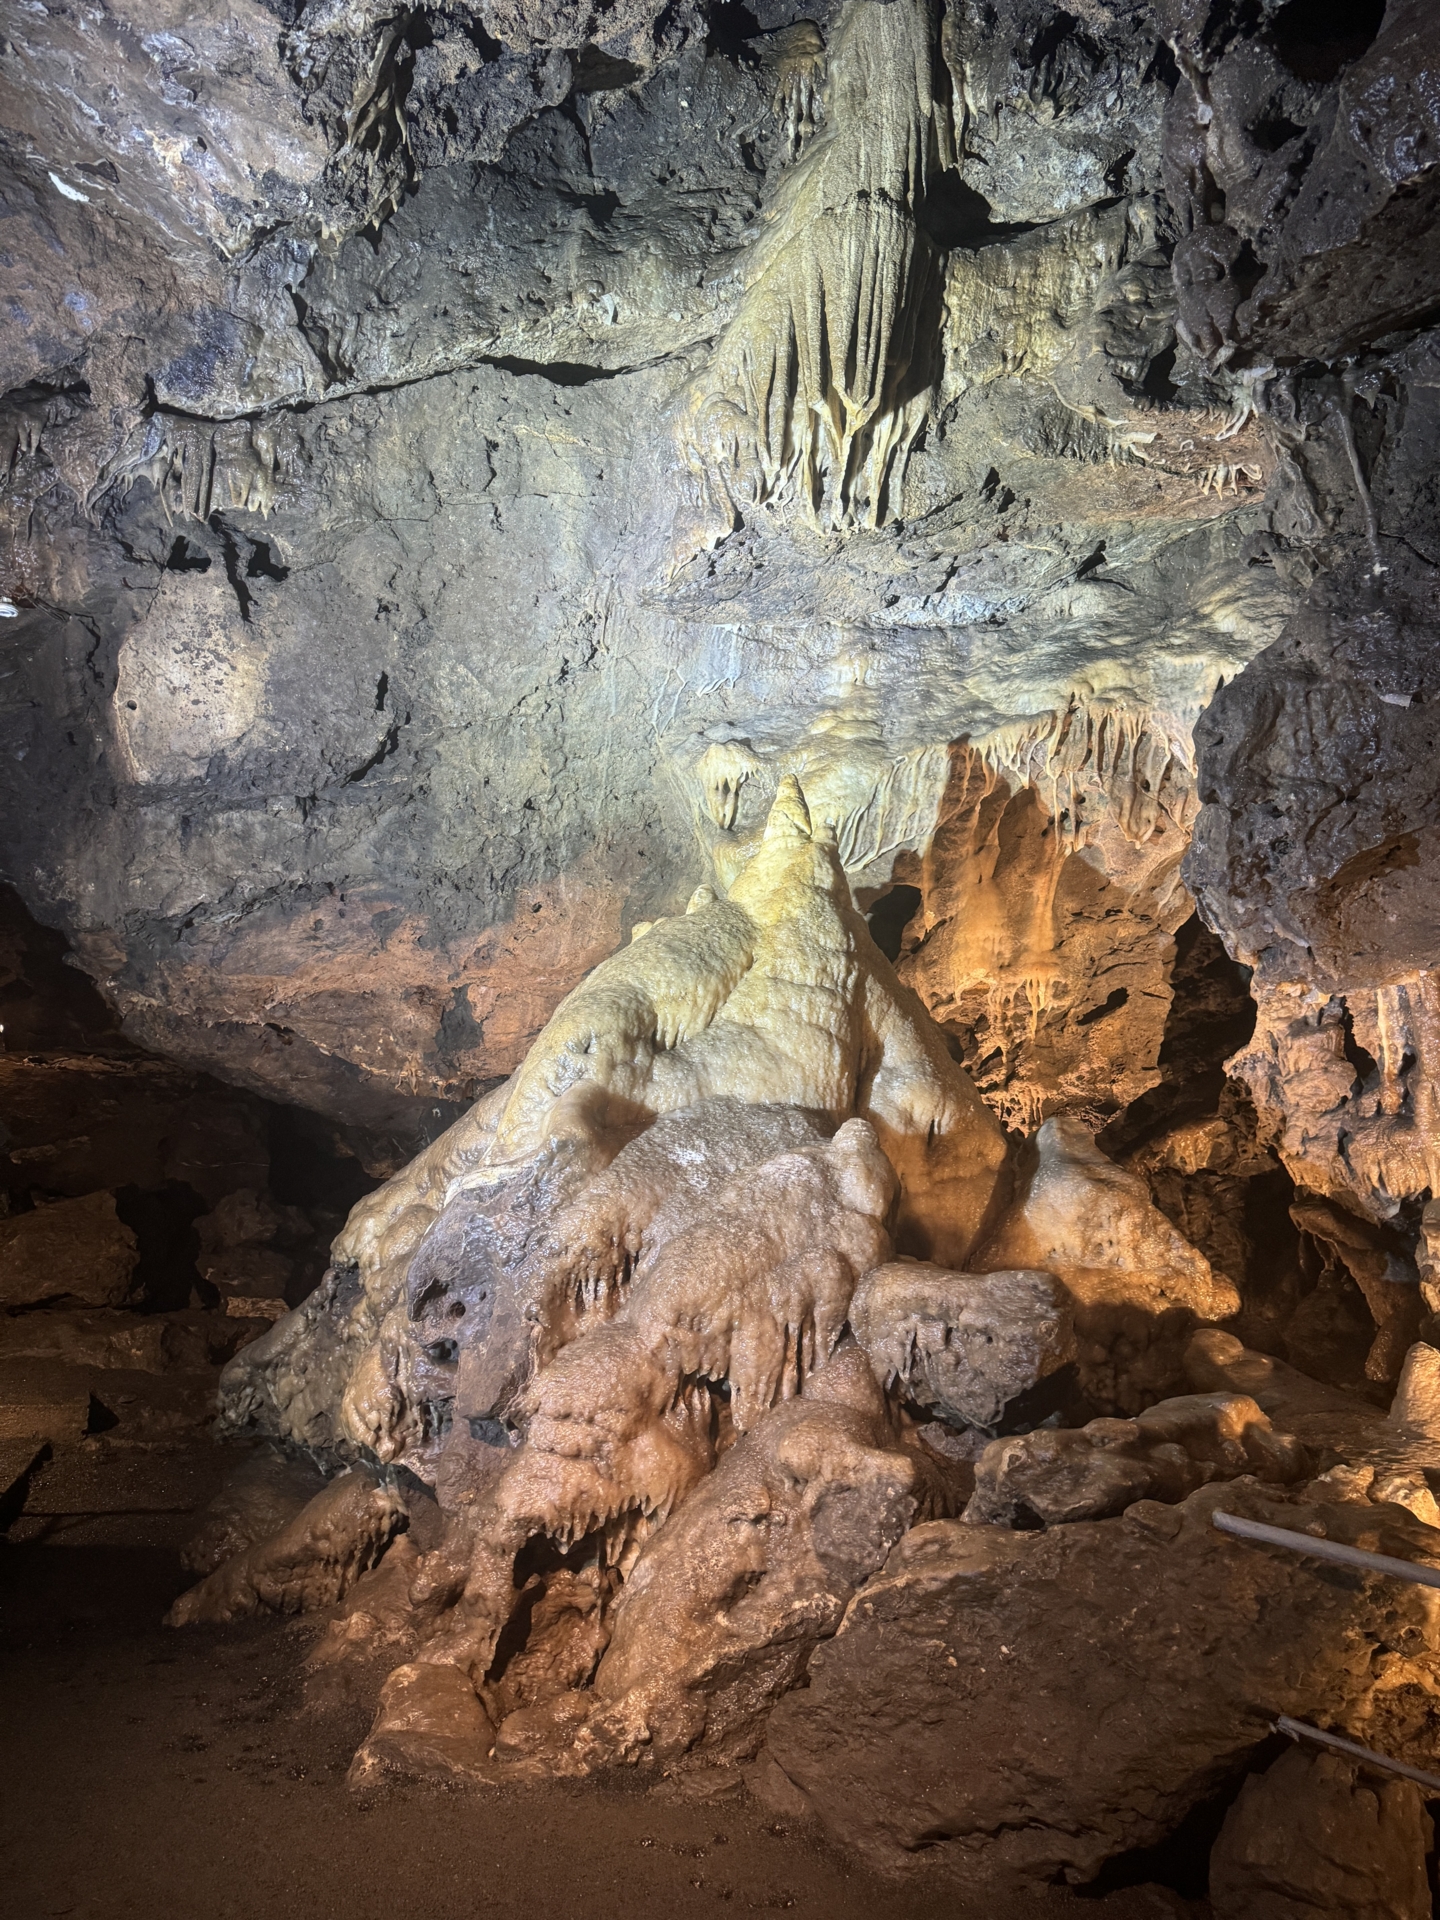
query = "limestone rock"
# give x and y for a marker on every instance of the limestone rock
(1416, 1406)
(1331, 1423)
(963, 1345)
(732, 1316)
(429, 1721)
(1317, 1834)
(1101, 1469)
(725, 1603)
(775, 996)
(1138, 1287)
(1000, 1704)
(527, 1271)
(77, 1250)
(310, 1562)
(258, 1499)
(1324, 882)
(253, 1252)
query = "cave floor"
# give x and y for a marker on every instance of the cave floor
(186, 1775)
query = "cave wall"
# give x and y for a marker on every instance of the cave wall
(462, 458)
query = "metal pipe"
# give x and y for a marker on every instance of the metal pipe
(1302, 1730)
(1320, 1549)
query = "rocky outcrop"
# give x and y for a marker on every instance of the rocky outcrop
(1316, 871)
(1148, 1654)
(891, 288)
(1088, 1473)
(1314, 1831)
(632, 610)
(76, 1251)
(311, 1561)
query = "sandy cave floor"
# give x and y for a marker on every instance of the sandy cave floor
(187, 1776)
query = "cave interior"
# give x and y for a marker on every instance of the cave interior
(720, 957)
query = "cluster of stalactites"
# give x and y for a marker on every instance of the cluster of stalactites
(818, 384)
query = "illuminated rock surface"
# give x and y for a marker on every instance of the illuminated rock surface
(778, 663)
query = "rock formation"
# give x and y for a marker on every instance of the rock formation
(762, 679)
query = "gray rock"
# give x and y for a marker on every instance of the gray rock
(963, 1345)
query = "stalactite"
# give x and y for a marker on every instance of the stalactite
(818, 384)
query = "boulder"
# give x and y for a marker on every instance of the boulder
(1316, 1834)
(1001, 1704)
(311, 1562)
(259, 1498)
(1093, 1471)
(76, 1250)
(963, 1345)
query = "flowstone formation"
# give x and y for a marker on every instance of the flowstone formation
(606, 1317)
(699, 1335)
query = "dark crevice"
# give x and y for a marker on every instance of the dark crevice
(1112, 1004)
(234, 572)
(390, 744)
(1318, 39)
(890, 916)
(564, 373)
(262, 563)
(185, 557)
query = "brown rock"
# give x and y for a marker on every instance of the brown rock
(429, 1722)
(138, 1342)
(1093, 1471)
(1317, 1834)
(1036, 1703)
(260, 1497)
(311, 1562)
(725, 1603)
(70, 1250)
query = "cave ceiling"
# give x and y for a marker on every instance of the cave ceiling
(461, 459)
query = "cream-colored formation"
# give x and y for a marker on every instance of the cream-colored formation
(818, 384)
(732, 1282)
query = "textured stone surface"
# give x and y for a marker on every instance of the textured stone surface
(1148, 1654)
(351, 543)
(73, 1250)
(1138, 1286)
(1315, 1833)
(309, 1562)
(521, 526)
(259, 1497)
(962, 1345)
(1091, 1472)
